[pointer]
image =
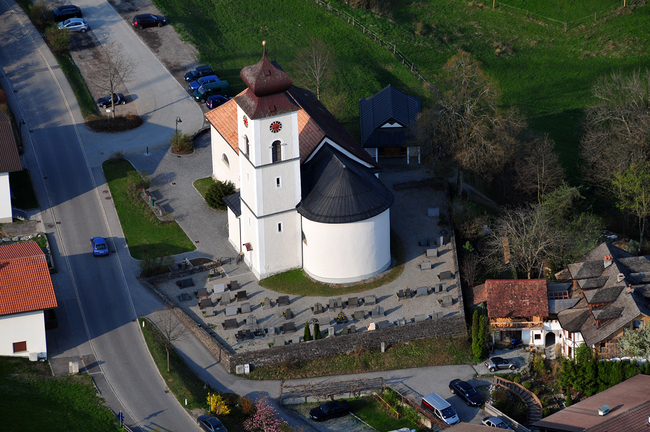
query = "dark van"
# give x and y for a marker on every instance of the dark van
(214, 88)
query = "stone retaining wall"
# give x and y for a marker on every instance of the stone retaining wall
(453, 326)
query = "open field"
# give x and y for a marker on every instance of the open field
(543, 70)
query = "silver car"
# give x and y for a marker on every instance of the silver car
(74, 24)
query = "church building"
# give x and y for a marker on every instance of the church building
(309, 196)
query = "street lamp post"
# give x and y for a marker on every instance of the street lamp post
(178, 120)
(21, 123)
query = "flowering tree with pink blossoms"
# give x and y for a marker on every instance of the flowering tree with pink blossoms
(265, 418)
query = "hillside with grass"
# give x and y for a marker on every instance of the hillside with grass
(541, 69)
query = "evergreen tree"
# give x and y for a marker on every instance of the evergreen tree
(567, 373)
(317, 334)
(307, 336)
(484, 331)
(631, 369)
(569, 400)
(604, 375)
(475, 329)
(591, 377)
(618, 373)
(647, 368)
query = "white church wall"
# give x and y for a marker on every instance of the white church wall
(281, 240)
(6, 215)
(225, 160)
(350, 252)
(249, 234)
(279, 187)
(287, 136)
(26, 327)
(233, 231)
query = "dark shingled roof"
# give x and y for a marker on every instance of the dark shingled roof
(265, 95)
(605, 249)
(9, 158)
(607, 313)
(516, 298)
(638, 264)
(592, 283)
(572, 319)
(602, 295)
(233, 202)
(336, 189)
(388, 106)
(557, 306)
(585, 270)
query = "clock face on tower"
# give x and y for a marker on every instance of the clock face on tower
(245, 121)
(275, 127)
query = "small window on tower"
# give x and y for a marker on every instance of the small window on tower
(276, 151)
(304, 239)
(279, 227)
(278, 182)
(225, 160)
(247, 147)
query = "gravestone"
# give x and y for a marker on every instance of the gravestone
(245, 308)
(231, 310)
(426, 265)
(432, 253)
(420, 318)
(422, 291)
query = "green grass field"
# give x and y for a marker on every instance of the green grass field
(542, 70)
(146, 236)
(32, 400)
(561, 10)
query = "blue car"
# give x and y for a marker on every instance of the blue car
(203, 80)
(100, 247)
(216, 100)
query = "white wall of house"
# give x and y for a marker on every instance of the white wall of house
(225, 160)
(346, 252)
(537, 337)
(233, 231)
(25, 327)
(570, 343)
(5, 199)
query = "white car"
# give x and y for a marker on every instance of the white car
(495, 422)
(74, 24)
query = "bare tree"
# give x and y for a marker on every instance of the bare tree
(170, 327)
(538, 169)
(617, 126)
(522, 240)
(633, 192)
(315, 64)
(466, 125)
(114, 69)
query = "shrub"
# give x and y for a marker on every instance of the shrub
(569, 400)
(216, 192)
(181, 143)
(39, 13)
(317, 334)
(216, 405)
(518, 380)
(265, 418)
(57, 39)
(247, 406)
(307, 335)
(528, 385)
(155, 266)
(135, 182)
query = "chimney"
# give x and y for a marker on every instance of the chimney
(620, 277)
(603, 410)
(607, 261)
(630, 290)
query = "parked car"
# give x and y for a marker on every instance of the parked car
(495, 363)
(203, 80)
(198, 72)
(105, 102)
(65, 12)
(74, 24)
(210, 424)
(466, 392)
(148, 20)
(99, 245)
(495, 422)
(329, 410)
(211, 89)
(216, 100)
(440, 408)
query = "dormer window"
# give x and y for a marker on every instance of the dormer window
(276, 151)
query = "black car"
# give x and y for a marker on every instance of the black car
(118, 99)
(329, 410)
(65, 12)
(216, 100)
(465, 392)
(198, 72)
(210, 424)
(148, 20)
(495, 363)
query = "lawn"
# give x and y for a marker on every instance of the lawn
(296, 282)
(203, 184)
(146, 236)
(30, 397)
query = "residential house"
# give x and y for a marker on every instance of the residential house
(308, 193)
(26, 292)
(384, 119)
(518, 309)
(9, 162)
(622, 408)
(610, 286)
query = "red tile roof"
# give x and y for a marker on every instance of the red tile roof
(224, 120)
(9, 158)
(25, 283)
(516, 298)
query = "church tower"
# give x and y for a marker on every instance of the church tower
(269, 167)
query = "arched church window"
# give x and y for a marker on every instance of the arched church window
(225, 160)
(276, 151)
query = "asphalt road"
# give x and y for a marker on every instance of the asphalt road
(97, 314)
